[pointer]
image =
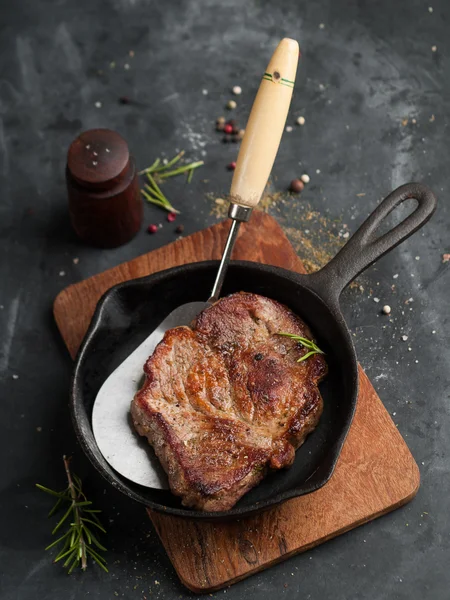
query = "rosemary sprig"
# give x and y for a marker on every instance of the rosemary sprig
(79, 540)
(156, 168)
(161, 170)
(152, 192)
(314, 349)
(158, 172)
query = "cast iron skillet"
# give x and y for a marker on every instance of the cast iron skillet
(129, 312)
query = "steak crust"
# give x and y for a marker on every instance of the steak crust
(226, 400)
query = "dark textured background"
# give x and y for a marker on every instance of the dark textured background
(368, 69)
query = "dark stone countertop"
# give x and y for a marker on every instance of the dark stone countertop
(370, 68)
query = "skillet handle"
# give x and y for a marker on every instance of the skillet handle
(365, 247)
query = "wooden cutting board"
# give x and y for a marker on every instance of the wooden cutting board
(376, 472)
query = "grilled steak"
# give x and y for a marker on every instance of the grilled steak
(226, 400)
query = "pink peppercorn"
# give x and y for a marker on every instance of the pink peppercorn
(231, 166)
(171, 217)
(152, 228)
(297, 186)
(228, 128)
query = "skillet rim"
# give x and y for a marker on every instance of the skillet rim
(81, 419)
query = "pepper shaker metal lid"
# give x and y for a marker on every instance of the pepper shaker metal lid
(105, 206)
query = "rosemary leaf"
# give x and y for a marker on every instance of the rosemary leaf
(65, 546)
(152, 199)
(98, 559)
(77, 481)
(97, 543)
(88, 533)
(58, 540)
(51, 492)
(101, 565)
(76, 536)
(151, 168)
(96, 555)
(66, 514)
(155, 164)
(56, 506)
(71, 557)
(99, 525)
(62, 555)
(96, 519)
(73, 565)
(181, 170)
(163, 203)
(156, 197)
(171, 162)
(307, 355)
(153, 187)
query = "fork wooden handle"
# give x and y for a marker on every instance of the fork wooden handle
(265, 126)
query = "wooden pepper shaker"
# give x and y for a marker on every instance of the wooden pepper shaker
(104, 200)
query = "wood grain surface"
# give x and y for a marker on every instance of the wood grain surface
(105, 203)
(376, 472)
